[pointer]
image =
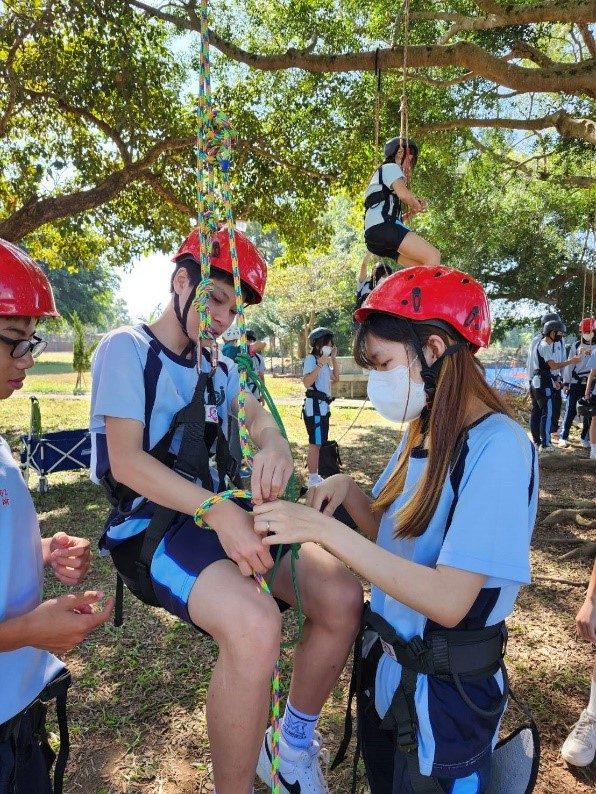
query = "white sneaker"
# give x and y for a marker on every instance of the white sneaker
(593, 454)
(585, 442)
(299, 768)
(579, 747)
(563, 443)
(546, 450)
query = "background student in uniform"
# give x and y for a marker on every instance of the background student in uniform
(426, 548)
(142, 376)
(365, 283)
(319, 370)
(31, 630)
(575, 378)
(546, 366)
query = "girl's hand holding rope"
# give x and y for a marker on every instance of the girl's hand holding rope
(288, 522)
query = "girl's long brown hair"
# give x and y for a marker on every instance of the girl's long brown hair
(461, 378)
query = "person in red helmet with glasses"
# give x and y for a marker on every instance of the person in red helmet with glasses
(142, 378)
(32, 630)
(445, 536)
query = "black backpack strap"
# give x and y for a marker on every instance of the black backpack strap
(57, 690)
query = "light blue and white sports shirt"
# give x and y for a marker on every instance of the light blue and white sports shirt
(25, 671)
(483, 523)
(322, 383)
(384, 175)
(136, 377)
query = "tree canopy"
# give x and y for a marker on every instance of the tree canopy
(97, 126)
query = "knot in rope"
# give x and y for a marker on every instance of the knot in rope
(244, 361)
(216, 138)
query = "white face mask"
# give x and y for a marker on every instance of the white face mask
(395, 395)
(326, 350)
(588, 339)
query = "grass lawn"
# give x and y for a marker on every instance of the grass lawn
(137, 706)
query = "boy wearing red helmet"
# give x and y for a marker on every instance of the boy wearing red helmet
(31, 630)
(450, 525)
(142, 377)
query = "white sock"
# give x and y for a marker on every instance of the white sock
(591, 707)
(297, 728)
(314, 479)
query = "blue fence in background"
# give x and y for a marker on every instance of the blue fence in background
(508, 379)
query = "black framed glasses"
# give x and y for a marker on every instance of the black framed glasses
(20, 347)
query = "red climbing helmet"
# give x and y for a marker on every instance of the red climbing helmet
(24, 288)
(252, 266)
(423, 294)
(587, 325)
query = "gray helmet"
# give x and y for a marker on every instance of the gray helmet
(394, 144)
(319, 333)
(553, 325)
(546, 318)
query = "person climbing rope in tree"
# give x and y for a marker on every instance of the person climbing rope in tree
(385, 233)
(142, 377)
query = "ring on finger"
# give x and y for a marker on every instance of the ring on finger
(267, 525)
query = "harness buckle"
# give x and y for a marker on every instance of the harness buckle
(417, 647)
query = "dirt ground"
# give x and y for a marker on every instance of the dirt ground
(138, 704)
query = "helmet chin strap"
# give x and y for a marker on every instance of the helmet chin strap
(430, 372)
(182, 317)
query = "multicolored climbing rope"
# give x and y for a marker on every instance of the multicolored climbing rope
(200, 521)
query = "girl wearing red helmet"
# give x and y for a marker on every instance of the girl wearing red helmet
(31, 630)
(142, 378)
(445, 540)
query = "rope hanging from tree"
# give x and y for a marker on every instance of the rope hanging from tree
(404, 128)
(214, 145)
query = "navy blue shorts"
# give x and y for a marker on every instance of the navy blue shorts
(183, 554)
(317, 428)
(386, 767)
(384, 239)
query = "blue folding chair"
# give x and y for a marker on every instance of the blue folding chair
(46, 453)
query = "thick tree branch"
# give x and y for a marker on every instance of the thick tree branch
(588, 39)
(36, 212)
(573, 79)
(566, 125)
(155, 182)
(524, 51)
(498, 16)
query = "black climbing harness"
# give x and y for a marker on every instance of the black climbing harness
(200, 430)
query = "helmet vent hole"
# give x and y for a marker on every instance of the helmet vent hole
(404, 302)
(465, 281)
(437, 274)
(410, 277)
